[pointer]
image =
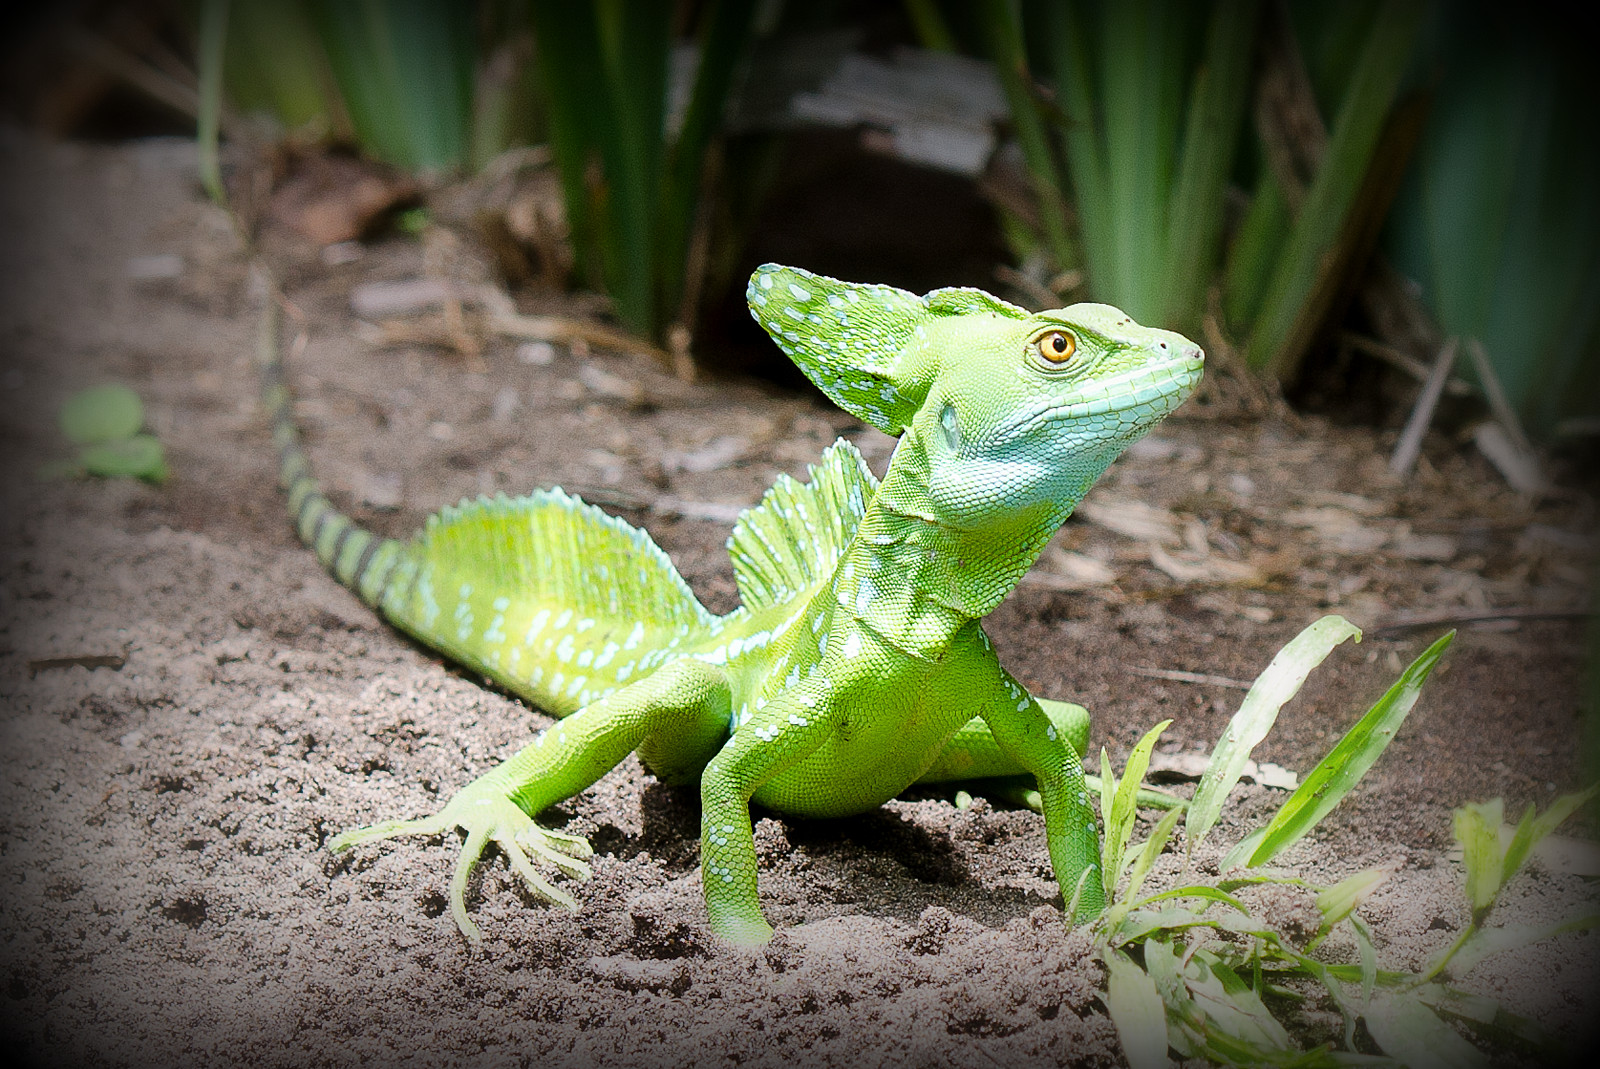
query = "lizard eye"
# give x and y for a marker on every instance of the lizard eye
(1056, 346)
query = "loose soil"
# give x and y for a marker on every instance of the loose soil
(192, 707)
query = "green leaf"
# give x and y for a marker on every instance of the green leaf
(1240, 852)
(1477, 829)
(1367, 949)
(404, 69)
(1541, 826)
(1487, 1017)
(1285, 319)
(1109, 851)
(102, 414)
(1137, 1011)
(1411, 1032)
(1273, 688)
(1124, 804)
(1231, 1004)
(1339, 901)
(140, 457)
(1348, 761)
(213, 36)
(1198, 890)
(1489, 941)
(1217, 104)
(1150, 851)
(1163, 966)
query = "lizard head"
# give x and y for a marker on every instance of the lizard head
(999, 408)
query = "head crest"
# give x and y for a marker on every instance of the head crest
(857, 342)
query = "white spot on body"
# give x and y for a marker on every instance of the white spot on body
(536, 625)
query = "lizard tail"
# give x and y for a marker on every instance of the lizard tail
(357, 558)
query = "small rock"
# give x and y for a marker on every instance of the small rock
(155, 267)
(536, 353)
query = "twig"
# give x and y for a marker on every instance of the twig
(1499, 404)
(1177, 676)
(1409, 447)
(1402, 361)
(150, 80)
(1411, 621)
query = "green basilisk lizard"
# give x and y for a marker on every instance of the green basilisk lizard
(857, 664)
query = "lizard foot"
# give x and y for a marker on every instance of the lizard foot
(484, 809)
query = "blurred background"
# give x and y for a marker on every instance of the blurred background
(1338, 200)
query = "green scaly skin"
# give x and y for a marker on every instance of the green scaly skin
(856, 665)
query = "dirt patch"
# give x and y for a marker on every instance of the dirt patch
(169, 899)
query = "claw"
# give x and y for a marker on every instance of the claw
(385, 829)
(488, 814)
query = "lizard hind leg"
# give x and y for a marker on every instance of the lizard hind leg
(486, 810)
(682, 709)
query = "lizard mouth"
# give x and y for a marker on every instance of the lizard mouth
(1148, 392)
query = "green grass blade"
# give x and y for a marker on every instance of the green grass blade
(1327, 784)
(275, 64)
(1141, 94)
(724, 50)
(1238, 854)
(1339, 901)
(404, 69)
(1273, 688)
(567, 44)
(1366, 948)
(1345, 162)
(1124, 805)
(1487, 1017)
(1066, 32)
(1545, 823)
(1211, 135)
(1004, 42)
(1230, 1004)
(213, 39)
(1110, 852)
(1151, 850)
(1486, 942)
(1137, 1011)
(636, 44)
(1254, 253)
(1411, 1032)
(1477, 829)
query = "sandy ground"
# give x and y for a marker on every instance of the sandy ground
(168, 896)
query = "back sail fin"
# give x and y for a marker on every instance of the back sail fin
(552, 598)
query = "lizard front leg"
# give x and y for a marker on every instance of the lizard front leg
(680, 713)
(1024, 733)
(787, 730)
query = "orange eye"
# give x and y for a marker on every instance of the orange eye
(1056, 347)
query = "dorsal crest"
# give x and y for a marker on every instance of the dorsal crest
(793, 539)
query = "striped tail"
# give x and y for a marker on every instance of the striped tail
(357, 558)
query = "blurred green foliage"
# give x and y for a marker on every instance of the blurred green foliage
(105, 424)
(1499, 220)
(1226, 160)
